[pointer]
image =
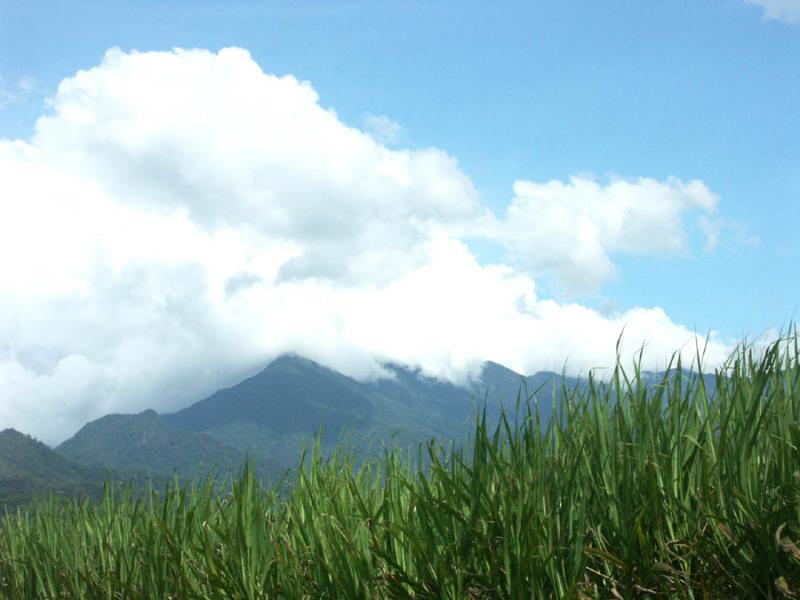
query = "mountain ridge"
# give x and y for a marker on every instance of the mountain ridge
(271, 415)
(143, 443)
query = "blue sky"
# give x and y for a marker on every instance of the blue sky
(518, 91)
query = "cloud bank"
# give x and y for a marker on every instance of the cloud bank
(181, 218)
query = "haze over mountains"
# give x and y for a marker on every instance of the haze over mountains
(269, 417)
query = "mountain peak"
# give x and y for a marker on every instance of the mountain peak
(297, 363)
(292, 394)
(11, 432)
(13, 437)
(292, 358)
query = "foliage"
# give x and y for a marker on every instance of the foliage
(631, 491)
(143, 443)
(29, 468)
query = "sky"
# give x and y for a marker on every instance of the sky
(190, 189)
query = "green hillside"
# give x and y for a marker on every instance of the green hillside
(144, 443)
(29, 468)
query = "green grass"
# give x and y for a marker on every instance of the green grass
(632, 491)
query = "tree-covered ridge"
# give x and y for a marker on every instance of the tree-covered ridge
(28, 467)
(143, 442)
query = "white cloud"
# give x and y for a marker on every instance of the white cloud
(215, 135)
(382, 128)
(787, 11)
(572, 229)
(180, 218)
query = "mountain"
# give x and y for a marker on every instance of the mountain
(144, 443)
(501, 387)
(291, 395)
(270, 417)
(29, 468)
(276, 411)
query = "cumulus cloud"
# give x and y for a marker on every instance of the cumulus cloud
(571, 229)
(787, 11)
(214, 135)
(180, 218)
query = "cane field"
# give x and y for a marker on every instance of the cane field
(633, 490)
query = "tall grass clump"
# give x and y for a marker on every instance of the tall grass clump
(678, 489)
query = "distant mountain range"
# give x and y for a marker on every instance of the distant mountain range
(269, 417)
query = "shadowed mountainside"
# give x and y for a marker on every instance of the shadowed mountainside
(28, 468)
(144, 443)
(273, 413)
